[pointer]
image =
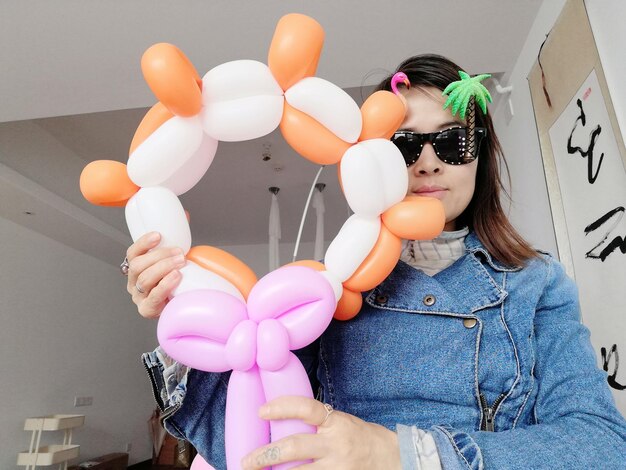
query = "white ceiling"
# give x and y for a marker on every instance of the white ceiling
(71, 91)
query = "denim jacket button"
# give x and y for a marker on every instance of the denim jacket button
(429, 300)
(469, 322)
(381, 299)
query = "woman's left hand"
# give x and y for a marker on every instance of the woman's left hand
(342, 440)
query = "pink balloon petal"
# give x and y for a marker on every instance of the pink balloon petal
(294, 291)
(195, 326)
(308, 322)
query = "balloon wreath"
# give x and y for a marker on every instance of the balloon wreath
(220, 317)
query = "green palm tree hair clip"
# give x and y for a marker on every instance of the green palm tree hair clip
(463, 96)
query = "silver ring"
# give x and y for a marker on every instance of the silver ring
(329, 409)
(139, 289)
(124, 267)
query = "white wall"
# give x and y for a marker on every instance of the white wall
(530, 211)
(68, 329)
(257, 256)
(607, 23)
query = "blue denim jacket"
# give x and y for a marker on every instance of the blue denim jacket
(493, 361)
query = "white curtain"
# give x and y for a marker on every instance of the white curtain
(274, 233)
(318, 204)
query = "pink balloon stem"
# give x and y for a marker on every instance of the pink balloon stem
(290, 380)
(245, 431)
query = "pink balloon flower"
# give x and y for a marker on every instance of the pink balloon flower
(213, 331)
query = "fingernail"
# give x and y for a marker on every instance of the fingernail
(154, 236)
(264, 411)
(179, 259)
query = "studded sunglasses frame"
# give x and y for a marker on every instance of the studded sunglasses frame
(411, 144)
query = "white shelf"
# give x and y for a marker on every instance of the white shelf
(53, 422)
(51, 454)
(48, 455)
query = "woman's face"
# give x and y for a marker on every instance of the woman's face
(429, 176)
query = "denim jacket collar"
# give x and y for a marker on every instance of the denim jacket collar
(460, 290)
(473, 245)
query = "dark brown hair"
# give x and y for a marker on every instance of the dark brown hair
(484, 215)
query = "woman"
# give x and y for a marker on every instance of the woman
(472, 333)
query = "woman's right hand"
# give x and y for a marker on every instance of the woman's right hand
(152, 275)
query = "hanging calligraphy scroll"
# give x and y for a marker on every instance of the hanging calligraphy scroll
(584, 161)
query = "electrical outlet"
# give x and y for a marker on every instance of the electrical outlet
(83, 401)
(129, 446)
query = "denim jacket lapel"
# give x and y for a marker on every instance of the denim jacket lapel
(460, 290)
